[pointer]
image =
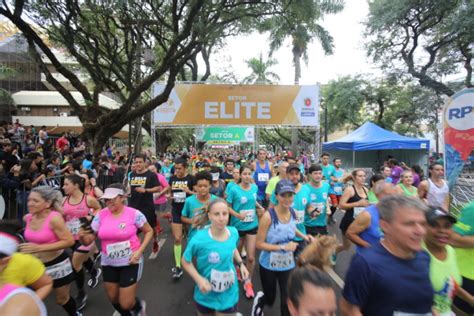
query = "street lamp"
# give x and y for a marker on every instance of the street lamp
(325, 108)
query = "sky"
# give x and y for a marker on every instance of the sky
(349, 56)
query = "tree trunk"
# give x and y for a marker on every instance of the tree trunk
(294, 130)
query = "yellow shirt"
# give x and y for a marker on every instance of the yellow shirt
(22, 270)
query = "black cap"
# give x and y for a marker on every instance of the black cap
(292, 167)
(284, 186)
(435, 213)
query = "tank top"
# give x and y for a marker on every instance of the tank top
(437, 195)
(218, 191)
(279, 234)
(72, 213)
(45, 235)
(407, 192)
(9, 290)
(261, 177)
(373, 233)
(353, 199)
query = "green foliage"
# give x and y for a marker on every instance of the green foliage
(429, 39)
(261, 71)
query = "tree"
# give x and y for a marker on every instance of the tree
(261, 72)
(300, 22)
(428, 39)
(108, 40)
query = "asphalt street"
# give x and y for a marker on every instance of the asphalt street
(164, 296)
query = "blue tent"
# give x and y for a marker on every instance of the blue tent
(370, 145)
(372, 137)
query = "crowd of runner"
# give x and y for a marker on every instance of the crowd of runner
(232, 214)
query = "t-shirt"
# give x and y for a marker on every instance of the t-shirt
(445, 278)
(142, 201)
(337, 187)
(272, 185)
(214, 261)
(227, 177)
(382, 284)
(22, 270)
(163, 184)
(465, 256)
(118, 235)
(243, 201)
(328, 171)
(193, 208)
(229, 186)
(177, 190)
(396, 174)
(318, 199)
(166, 171)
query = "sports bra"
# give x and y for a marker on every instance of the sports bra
(79, 210)
(45, 235)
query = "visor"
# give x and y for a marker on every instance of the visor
(8, 244)
(111, 193)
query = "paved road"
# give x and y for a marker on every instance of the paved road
(164, 296)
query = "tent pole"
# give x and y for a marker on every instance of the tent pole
(353, 159)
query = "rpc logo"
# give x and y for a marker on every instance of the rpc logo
(460, 111)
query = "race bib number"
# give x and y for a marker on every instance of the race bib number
(222, 281)
(249, 215)
(119, 250)
(358, 210)
(74, 226)
(60, 270)
(281, 260)
(263, 177)
(299, 216)
(338, 190)
(179, 197)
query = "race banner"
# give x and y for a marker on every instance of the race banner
(226, 134)
(257, 105)
(458, 133)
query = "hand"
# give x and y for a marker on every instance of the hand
(240, 216)
(29, 248)
(308, 238)
(204, 285)
(135, 258)
(140, 190)
(244, 273)
(291, 246)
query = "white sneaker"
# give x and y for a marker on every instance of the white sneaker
(116, 313)
(153, 255)
(257, 307)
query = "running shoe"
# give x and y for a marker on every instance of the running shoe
(95, 278)
(168, 217)
(154, 251)
(248, 287)
(78, 313)
(177, 272)
(97, 257)
(81, 300)
(116, 313)
(142, 312)
(257, 307)
(159, 230)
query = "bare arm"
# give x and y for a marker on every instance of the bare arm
(94, 204)
(459, 241)
(423, 190)
(42, 286)
(360, 223)
(20, 304)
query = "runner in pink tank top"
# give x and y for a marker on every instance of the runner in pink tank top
(122, 253)
(77, 206)
(47, 236)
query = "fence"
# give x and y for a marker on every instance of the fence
(16, 200)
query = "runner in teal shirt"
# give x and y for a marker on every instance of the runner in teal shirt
(231, 184)
(328, 169)
(215, 250)
(195, 204)
(315, 221)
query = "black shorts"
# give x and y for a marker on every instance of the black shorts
(346, 222)
(252, 231)
(125, 276)
(60, 270)
(316, 230)
(468, 285)
(176, 216)
(150, 216)
(205, 310)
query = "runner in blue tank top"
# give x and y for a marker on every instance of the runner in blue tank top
(263, 172)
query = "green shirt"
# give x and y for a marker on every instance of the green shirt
(445, 279)
(372, 198)
(465, 227)
(407, 192)
(271, 185)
